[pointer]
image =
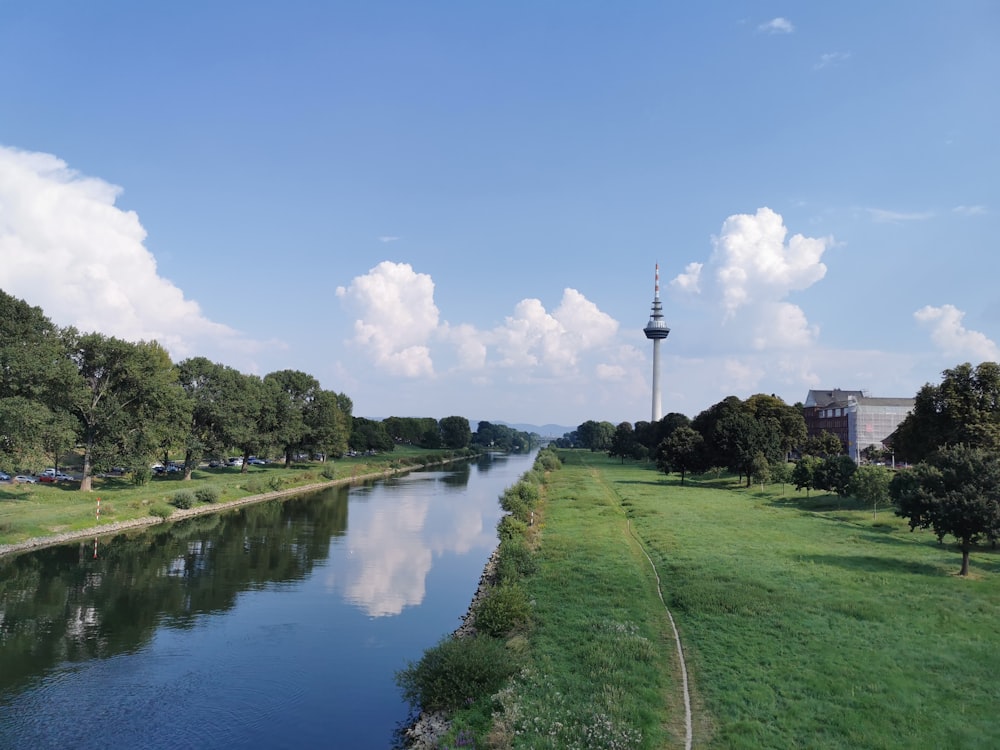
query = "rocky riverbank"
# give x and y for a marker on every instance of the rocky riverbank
(430, 727)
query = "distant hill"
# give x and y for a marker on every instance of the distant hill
(545, 430)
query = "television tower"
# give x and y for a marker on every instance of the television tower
(657, 330)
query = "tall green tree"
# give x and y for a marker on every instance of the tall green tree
(784, 420)
(126, 398)
(955, 492)
(293, 391)
(963, 409)
(455, 432)
(681, 452)
(203, 382)
(328, 426)
(834, 474)
(623, 442)
(596, 436)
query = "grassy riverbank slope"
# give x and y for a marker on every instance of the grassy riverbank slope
(805, 622)
(39, 511)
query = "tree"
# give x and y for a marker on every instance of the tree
(823, 445)
(455, 432)
(834, 474)
(126, 397)
(955, 492)
(596, 436)
(787, 421)
(293, 391)
(623, 442)
(681, 452)
(369, 435)
(327, 424)
(760, 470)
(871, 484)
(804, 473)
(781, 473)
(964, 409)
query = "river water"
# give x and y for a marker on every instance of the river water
(276, 625)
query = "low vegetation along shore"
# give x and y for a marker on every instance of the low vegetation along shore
(804, 622)
(34, 515)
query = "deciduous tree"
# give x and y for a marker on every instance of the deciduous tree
(955, 492)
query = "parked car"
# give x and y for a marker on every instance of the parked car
(47, 478)
(256, 461)
(235, 462)
(4, 476)
(25, 478)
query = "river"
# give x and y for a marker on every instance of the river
(275, 625)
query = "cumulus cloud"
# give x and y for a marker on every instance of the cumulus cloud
(399, 325)
(396, 317)
(953, 338)
(67, 248)
(689, 281)
(777, 25)
(753, 268)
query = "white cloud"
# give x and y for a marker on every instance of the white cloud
(397, 317)
(753, 264)
(895, 217)
(612, 373)
(398, 324)
(970, 210)
(830, 59)
(777, 25)
(689, 281)
(951, 337)
(744, 288)
(66, 247)
(388, 238)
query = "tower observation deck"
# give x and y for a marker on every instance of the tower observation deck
(656, 330)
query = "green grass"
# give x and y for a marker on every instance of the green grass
(805, 623)
(29, 511)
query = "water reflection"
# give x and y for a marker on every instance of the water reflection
(393, 545)
(292, 622)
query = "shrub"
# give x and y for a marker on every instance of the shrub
(182, 500)
(275, 482)
(161, 510)
(528, 492)
(206, 494)
(141, 476)
(511, 502)
(514, 561)
(457, 671)
(502, 611)
(548, 460)
(328, 473)
(254, 486)
(511, 528)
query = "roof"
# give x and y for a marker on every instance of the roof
(830, 397)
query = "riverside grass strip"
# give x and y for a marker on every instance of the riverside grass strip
(602, 652)
(804, 623)
(41, 511)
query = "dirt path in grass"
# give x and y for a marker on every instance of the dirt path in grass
(688, 722)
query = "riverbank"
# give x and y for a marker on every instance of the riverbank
(115, 527)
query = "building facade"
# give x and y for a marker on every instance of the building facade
(858, 420)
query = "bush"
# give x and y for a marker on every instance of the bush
(548, 460)
(328, 473)
(182, 500)
(457, 671)
(206, 494)
(275, 482)
(254, 487)
(514, 561)
(141, 476)
(161, 510)
(511, 528)
(502, 611)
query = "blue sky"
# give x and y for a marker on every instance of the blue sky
(448, 208)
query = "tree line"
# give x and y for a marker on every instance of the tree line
(123, 404)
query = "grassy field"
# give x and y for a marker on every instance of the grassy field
(29, 511)
(805, 622)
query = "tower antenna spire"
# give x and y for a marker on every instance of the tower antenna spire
(656, 330)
